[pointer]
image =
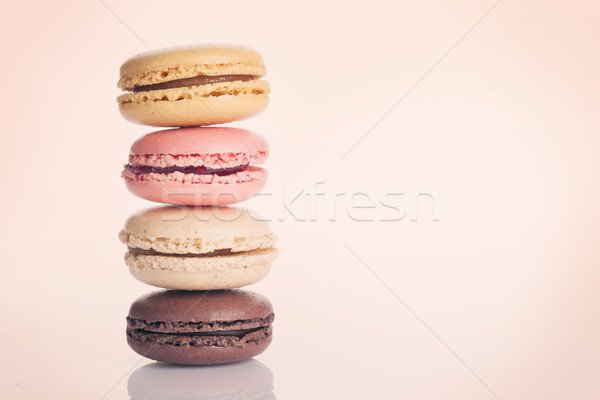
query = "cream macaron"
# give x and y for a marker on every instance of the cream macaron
(198, 248)
(193, 85)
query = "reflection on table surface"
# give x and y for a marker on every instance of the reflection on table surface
(246, 380)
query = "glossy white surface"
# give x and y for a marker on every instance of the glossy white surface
(247, 380)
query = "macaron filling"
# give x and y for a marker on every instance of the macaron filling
(135, 251)
(146, 169)
(200, 334)
(152, 252)
(224, 168)
(190, 327)
(194, 81)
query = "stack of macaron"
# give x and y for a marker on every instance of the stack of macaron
(197, 249)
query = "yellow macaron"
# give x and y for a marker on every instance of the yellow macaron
(193, 85)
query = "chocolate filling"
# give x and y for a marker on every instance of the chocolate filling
(208, 339)
(150, 252)
(167, 327)
(194, 81)
(145, 169)
(237, 333)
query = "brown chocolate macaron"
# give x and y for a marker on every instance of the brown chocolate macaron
(200, 327)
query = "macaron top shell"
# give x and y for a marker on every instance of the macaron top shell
(170, 222)
(201, 306)
(206, 140)
(181, 62)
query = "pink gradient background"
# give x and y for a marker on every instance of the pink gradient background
(504, 133)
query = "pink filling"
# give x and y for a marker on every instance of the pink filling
(221, 160)
(250, 174)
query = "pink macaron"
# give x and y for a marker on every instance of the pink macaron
(197, 166)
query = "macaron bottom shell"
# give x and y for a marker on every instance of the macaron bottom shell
(195, 111)
(201, 280)
(196, 194)
(198, 355)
